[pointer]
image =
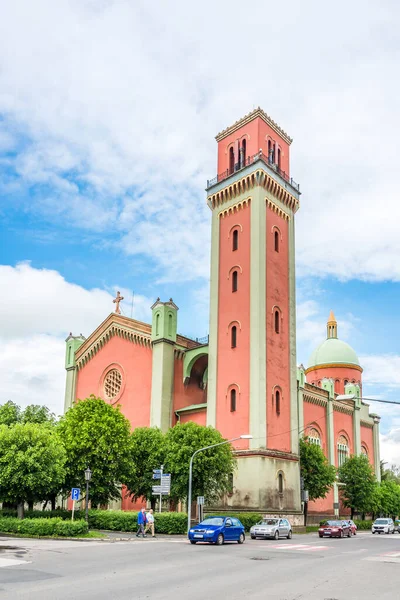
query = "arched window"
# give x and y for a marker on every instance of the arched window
(313, 436)
(270, 158)
(235, 240)
(233, 400)
(337, 386)
(279, 158)
(157, 322)
(230, 483)
(346, 381)
(277, 319)
(342, 450)
(234, 281)
(364, 450)
(233, 336)
(243, 153)
(277, 402)
(170, 323)
(276, 241)
(231, 160)
(280, 483)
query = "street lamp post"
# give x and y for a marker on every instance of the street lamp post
(241, 437)
(88, 476)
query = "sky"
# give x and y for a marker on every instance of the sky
(108, 113)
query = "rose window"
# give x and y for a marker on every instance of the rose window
(112, 383)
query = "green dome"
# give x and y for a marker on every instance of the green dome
(333, 351)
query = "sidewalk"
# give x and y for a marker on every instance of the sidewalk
(119, 536)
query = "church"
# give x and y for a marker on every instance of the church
(243, 378)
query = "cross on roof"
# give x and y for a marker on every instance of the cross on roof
(116, 301)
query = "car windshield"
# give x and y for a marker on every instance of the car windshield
(381, 522)
(269, 522)
(332, 524)
(213, 521)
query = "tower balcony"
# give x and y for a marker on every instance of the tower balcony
(251, 160)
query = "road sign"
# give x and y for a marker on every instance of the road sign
(156, 475)
(200, 500)
(157, 491)
(158, 471)
(75, 493)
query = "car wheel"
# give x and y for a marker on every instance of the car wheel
(320, 535)
(253, 537)
(276, 535)
(349, 533)
(220, 540)
(393, 531)
(289, 535)
(241, 538)
(192, 542)
(387, 532)
(341, 534)
(373, 533)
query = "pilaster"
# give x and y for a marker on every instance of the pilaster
(377, 456)
(213, 331)
(294, 425)
(72, 345)
(330, 432)
(357, 426)
(258, 353)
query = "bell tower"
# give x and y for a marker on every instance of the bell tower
(252, 385)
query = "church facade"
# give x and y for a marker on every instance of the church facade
(242, 379)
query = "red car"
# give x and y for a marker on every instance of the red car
(335, 529)
(353, 527)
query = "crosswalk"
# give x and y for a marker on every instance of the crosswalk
(297, 547)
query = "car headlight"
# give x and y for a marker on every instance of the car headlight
(191, 530)
(210, 531)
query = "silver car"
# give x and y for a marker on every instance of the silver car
(271, 528)
(383, 526)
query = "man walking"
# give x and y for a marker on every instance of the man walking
(141, 521)
(150, 522)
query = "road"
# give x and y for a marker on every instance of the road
(306, 567)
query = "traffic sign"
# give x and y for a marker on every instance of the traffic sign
(156, 475)
(157, 471)
(75, 493)
(157, 491)
(200, 500)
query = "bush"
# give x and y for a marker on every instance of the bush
(363, 525)
(114, 520)
(43, 527)
(247, 519)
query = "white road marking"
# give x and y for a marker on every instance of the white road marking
(12, 562)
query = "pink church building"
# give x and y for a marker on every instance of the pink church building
(242, 379)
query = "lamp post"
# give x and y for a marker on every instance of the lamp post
(241, 437)
(88, 477)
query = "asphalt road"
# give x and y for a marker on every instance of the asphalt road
(306, 567)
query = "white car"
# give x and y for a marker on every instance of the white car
(271, 528)
(383, 526)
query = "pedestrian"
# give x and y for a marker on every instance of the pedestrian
(150, 522)
(141, 522)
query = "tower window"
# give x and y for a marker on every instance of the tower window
(279, 158)
(277, 321)
(231, 160)
(234, 281)
(280, 483)
(270, 157)
(235, 240)
(233, 336)
(243, 152)
(278, 402)
(233, 400)
(276, 241)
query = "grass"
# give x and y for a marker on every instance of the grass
(84, 536)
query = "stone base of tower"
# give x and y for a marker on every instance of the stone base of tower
(266, 481)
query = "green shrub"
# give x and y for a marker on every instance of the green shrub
(170, 523)
(115, 520)
(247, 519)
(43, 527)
(363, 525)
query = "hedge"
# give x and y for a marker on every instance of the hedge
(43, 527)
(247, 519)
(115, 520)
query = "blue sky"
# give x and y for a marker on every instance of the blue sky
(108, 113)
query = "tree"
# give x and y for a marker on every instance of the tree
(212, 468)
(389, 496)
(359, 481)
(32, 462)
(96, 435)
(10, 413)
(148, 452)
(35, 413)
(318, 474)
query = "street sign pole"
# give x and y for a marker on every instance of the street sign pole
(161, 471)
(75, 492)
(73, 509)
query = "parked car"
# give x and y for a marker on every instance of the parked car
(383, 526)
(335, 529)
(217, 530)
(271, 528)
(353, 526)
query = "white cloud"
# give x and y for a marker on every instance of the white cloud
(38, 308)
(120, 103)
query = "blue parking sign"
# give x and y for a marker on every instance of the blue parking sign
(75, 493)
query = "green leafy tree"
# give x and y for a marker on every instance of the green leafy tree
(96, 435)
(32, 460)
(389, 498)
(148, 451)
(318, 474)
(35, 413)
(359, 481)
(212, 468)
(10, 413)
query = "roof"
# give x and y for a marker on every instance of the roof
(258, 112)
(333, 351)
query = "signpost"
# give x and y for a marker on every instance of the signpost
(200, 504)
(164, 487)
(75, 493)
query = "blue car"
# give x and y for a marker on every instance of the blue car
(217, 530)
